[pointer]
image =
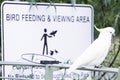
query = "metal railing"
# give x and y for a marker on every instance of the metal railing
(50, 68)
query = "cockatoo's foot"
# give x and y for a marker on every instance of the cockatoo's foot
(98, 66)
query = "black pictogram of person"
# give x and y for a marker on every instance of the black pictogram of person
(45, 36)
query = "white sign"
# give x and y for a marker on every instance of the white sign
(43, 32)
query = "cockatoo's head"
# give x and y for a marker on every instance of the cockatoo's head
(107, 32)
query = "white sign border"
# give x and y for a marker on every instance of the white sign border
(40, 4)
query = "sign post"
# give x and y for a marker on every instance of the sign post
(58, 33)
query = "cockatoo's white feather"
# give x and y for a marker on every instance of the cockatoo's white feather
(96, 52)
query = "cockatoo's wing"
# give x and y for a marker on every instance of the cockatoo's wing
(95, 53)
(91, 54)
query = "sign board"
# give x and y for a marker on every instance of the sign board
(31, 33)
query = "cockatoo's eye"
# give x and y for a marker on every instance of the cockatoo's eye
(111, 32)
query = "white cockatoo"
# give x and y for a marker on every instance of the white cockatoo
(95, 54)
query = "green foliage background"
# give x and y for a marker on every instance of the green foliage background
(106, 13)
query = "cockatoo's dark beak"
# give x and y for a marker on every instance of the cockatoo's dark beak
(113, 35)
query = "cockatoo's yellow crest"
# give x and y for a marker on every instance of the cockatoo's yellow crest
(97, 28)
